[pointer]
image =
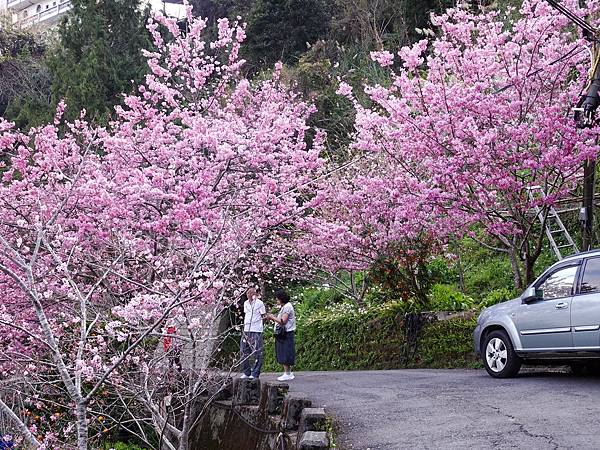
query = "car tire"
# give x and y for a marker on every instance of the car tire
(499, 357)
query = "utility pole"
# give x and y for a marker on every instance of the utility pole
(586, 214)
(585, 117)
(587, 208)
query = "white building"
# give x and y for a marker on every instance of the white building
(46, 13)
(30, 12)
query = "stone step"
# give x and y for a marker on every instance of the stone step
(314, 440)
(312, 419)
(293, 405)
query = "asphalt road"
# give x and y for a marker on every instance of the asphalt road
(457, 409)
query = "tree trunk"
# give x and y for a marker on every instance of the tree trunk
(461, 274)
(184, 440)
(82, 426)
(529, 270)
(514, 263)
(190, 400)
(357, 296)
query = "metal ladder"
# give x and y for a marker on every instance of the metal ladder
(555, 229)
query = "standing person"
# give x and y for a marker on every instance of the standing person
(285, 329)
(251, 344)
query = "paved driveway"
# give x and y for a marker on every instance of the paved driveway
(457, 409)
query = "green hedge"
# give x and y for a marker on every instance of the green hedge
(375, 339)
(447, 344)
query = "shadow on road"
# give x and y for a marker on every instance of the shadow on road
(557, 372)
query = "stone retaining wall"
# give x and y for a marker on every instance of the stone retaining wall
(255, 415)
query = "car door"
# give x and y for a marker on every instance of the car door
(545, 323)
(585, 309)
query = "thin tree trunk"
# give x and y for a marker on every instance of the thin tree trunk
(184, 440)
(19, 425)
(358, 297)
(515, 269)
(461, 274)
(529, 270)
(82, 427)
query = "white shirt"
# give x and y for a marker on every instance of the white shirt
(288, 309)
(253, 311)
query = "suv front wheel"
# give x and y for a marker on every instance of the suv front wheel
(499, 357)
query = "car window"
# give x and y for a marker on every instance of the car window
(591, 277)
(559, 284)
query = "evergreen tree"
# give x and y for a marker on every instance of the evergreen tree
(281, 29)
(212, 10)
(99, 56)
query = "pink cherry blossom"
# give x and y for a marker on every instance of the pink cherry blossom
(475, 117)
(384, 58)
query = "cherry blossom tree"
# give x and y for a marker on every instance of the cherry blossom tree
(474, 117)
(115, 239)
(120, 246)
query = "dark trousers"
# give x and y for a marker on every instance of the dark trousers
(251, 346)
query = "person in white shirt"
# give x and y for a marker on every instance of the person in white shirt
(251, 345)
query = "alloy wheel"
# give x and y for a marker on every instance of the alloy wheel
(496, 354)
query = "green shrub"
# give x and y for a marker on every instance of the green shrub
(440, 271)
(350, 338)
(444, 297)
(496, 296)
(485, 271)
(308, 299)
(447, 344)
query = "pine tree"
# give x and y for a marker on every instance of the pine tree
(212, 10)
(281, 29)
(99, 56)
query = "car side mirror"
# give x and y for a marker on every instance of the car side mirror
(531, 294)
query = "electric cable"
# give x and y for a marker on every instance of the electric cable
(593, 32)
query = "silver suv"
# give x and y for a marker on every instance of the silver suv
(556, 320)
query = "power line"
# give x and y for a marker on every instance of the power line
(592, 32)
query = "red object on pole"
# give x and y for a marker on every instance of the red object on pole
(168, 340)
